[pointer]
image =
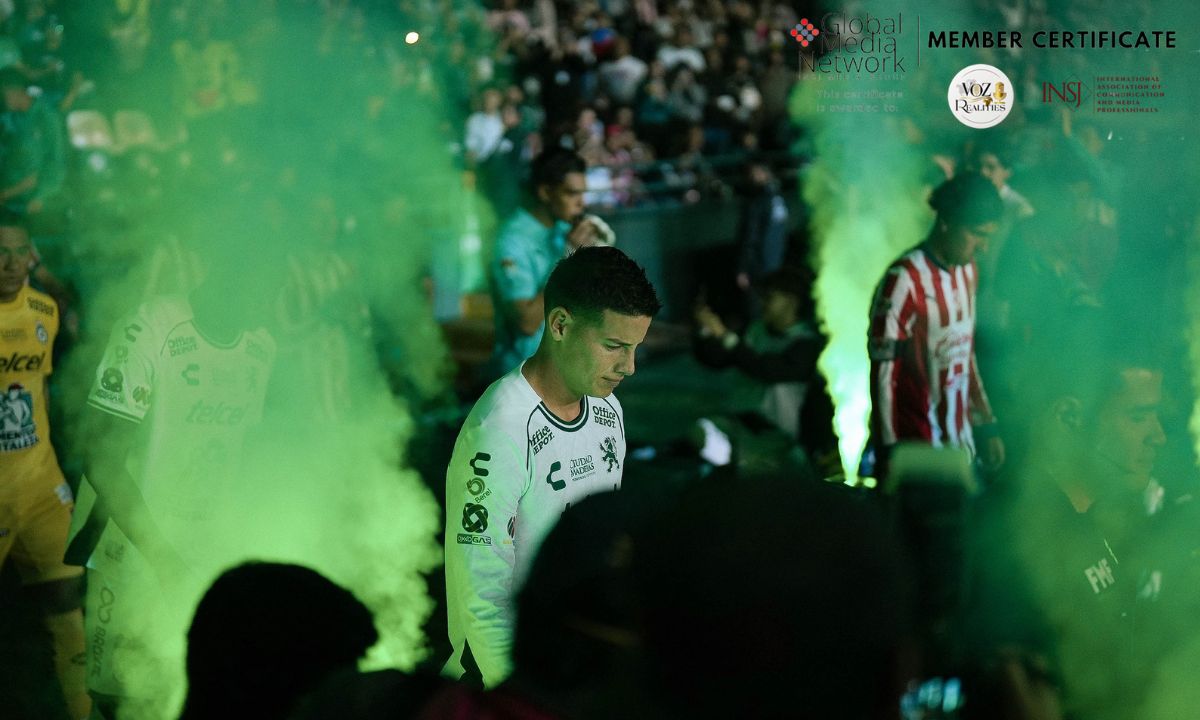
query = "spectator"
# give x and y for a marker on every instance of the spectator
(534, 238)
(779, 350)
(485, 129)
(264, 635)
(686, 96)
(35, 149)
(680, 49)
(925, 383)
(763, 230)
(623, 75)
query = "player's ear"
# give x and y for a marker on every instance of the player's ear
(558, 321)
(543, 193)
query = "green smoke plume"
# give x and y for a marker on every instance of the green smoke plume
(314, 180)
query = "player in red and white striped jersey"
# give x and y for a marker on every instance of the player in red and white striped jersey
(925, 384)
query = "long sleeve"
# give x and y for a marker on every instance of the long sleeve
(484, 483)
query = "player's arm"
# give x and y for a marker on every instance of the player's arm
(980, 406)
(519, 291)
(117, 496)
(892, 313)
(119, 400)
(484, 482)
(795, 363)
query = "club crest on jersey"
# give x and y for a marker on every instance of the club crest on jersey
(17, 430)
(609, 446)
(42, 336)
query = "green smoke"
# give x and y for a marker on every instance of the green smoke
(314, 181)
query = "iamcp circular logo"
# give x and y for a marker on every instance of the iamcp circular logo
(980, 96)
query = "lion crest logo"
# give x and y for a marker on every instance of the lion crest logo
(609, 448)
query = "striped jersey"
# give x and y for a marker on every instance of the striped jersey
(924, 380)
(516, 468)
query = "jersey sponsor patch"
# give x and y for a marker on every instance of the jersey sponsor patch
(39, 306)
(42, 336)
(604, 416)
(18, 362)
(474, 518)
(541, 439)
(12, 334)
(112, 380)
(582, 467)
(182, 345)
(472, 539)
(17, 430)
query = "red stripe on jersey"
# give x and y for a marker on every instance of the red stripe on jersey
(935, 273)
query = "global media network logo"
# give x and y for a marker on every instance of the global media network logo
(805, 32)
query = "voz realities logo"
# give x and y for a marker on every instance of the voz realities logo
(980, 96)
(805, 32)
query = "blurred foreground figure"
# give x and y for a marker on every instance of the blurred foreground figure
(577, 647)
(264, 635)
(925, 384)
(35, 500)
(773, 598)
(547, 434)
(1085, 563)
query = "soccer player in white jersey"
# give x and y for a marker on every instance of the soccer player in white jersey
(181, 382)
(547, 434)
(925, 383)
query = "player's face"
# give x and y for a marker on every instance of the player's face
(597, 356)
(965, 241)
(16, 253)
(1128, 433)
(565, 200)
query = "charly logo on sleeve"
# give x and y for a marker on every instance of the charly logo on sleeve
(17, 430)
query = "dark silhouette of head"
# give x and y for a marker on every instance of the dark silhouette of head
(774, 598)
(266, 633)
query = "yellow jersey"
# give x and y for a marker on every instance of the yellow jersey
(28, 326)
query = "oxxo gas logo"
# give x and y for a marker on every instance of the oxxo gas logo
(805, 32)
(980, 96)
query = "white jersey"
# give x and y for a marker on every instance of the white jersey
(195, 399)
(516, 468)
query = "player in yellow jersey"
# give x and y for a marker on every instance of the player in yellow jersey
(35, 500)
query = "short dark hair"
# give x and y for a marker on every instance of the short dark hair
(552, 167)
(10, 219)
(966, 200)
(594, 279)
